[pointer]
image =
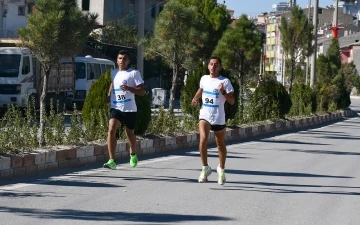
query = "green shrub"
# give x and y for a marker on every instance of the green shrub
(325, 96)
(191, 87)
(343, 100)
(303, 100)
(269, 101)
(95, 100)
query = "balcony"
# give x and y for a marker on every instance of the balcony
(270, 54)
(271, 41)
(270, 68)
(271, 28)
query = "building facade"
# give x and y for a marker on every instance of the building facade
(14, 13)
(274, 52)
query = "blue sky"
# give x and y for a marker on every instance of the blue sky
(255, 7)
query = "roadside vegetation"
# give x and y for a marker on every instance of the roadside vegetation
(238, 44)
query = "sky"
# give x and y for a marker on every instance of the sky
(255, 7)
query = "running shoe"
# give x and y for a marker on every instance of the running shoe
(133, 160)
(204, 175)
(111, 164)
(221, 178)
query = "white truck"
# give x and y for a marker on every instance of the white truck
(21, 78)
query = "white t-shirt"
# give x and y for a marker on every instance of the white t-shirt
(212, 109)
(124, 100)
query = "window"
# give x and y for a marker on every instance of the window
(112, 6)
(30, 7)
(161, 7)
(103, 68)
(26, 65)
(109, 67)
(121, 6)
(21, 10)
(93, 71)
(131, 18)
(153, 11)
(9, 65)
(80, 71)
(85, 5)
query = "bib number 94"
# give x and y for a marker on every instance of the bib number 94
(207, 101)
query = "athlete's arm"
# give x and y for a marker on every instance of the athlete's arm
(229, 97)
(109, 93)
(198, 94)
(138, 90)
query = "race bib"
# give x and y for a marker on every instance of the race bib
(121, 96)
(211, 98)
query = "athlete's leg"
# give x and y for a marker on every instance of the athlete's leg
(111, 138)
(220, 142)
(204, 129)
(131, 139)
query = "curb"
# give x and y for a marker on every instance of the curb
(48, 160)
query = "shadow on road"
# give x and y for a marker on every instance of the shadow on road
(69, 214)
(255, 188)
(324, 152)
(281, 174)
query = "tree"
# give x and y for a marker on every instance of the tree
(216, 19)
(177, 38)
(240, 48)
(329, 65)
(54, 30)
(113, 33)
(296, 33)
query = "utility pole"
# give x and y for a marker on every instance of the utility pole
(261, 61)
(308, 58)
(2, 29)
(313, 57)
(335, 18)
(140, 51)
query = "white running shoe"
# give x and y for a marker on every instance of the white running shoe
(221, 178)
(204, 175)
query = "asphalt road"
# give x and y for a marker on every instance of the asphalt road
(310, 177)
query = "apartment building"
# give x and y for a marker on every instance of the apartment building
(14, 13)
(274, 51)
(128, 10)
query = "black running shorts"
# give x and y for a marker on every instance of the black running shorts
(215, 127)
(126, 118)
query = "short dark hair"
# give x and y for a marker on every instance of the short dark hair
(217, 58)
(124, 52)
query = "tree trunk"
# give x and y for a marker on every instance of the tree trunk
(291, 74)
(173, 84)
(41, 137)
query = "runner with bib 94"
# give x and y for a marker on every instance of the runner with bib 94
(214, 91)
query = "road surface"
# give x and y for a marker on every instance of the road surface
(310, 177)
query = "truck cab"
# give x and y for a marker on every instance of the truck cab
(17, 80)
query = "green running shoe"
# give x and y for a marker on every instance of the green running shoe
(133, 160)
(111, 164)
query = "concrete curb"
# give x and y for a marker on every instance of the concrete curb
(51, 159)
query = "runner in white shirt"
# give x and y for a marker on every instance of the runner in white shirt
(125, 83)
(214, 90)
